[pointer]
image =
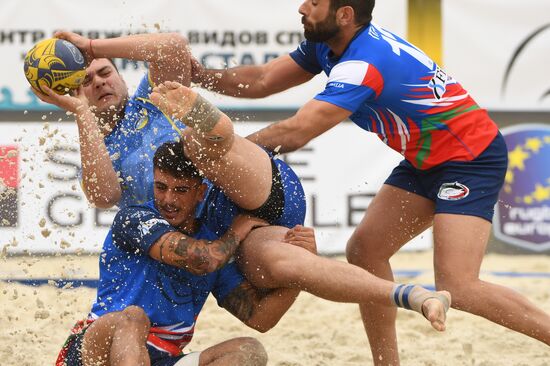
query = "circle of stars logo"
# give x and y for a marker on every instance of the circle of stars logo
(517, 159)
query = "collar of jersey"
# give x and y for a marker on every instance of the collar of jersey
(333, 59)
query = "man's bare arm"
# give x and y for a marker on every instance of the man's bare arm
(314, 118)
(194, 255)
(259, 309)
(254, 81)
(100, 182)
(167, 53)
(262, 309)
(99, 179)
(200, 256)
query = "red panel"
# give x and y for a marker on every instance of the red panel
(9, 165)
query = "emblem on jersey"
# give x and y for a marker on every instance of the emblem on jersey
(453, 191)
(143, 120)
(438, 83)
(145, 227)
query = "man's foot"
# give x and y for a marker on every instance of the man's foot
(173, 99)
(435, 307)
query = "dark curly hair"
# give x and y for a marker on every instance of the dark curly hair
(170, 158)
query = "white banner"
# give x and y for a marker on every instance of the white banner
(220, 32)
(499, 51)
(53, 215)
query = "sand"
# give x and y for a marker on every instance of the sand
(34, 321)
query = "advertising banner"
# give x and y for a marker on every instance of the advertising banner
(498, 50)
(220, 33)
(522, 215)
(46, 211)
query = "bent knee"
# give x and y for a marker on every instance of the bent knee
(254, 353)
(135, 315)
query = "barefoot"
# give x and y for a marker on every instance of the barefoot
(173, 99)
(435, 309)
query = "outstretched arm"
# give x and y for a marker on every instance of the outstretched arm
(254, 81)
(167, 53)
(314, 118)
(200, 256)
(262, 309)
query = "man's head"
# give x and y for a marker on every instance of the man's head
(178, 186)
(105, 88)
(323, 19)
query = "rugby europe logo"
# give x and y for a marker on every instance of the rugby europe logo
(453, 191)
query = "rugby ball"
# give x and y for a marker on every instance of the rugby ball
(56, 63)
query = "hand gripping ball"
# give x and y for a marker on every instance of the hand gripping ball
(56, 63)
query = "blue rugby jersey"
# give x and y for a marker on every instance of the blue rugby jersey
(133, 142)
(171, 297)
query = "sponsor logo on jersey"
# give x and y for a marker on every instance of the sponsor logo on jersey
(438, 83)
(336, 85)
(453, 191)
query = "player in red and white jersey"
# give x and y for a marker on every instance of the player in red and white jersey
(454, 157)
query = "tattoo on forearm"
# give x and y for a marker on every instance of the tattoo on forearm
(165, 239)
(241, 301)
(202, 256)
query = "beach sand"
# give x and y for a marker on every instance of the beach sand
(35, 320)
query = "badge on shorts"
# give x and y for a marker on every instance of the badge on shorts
(453, 191)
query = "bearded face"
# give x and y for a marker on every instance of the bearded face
(321, 31)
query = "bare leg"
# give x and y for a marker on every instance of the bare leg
(393, 218)
(268, 262)
(239, 167)
(460, 243)
(117, 339)
(238, 351)
(243, 172)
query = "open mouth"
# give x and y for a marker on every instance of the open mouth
(105, 96)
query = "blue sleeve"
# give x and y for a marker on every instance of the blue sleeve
(306, 56)
(136, 228)
(144, 87)
(349, 97)
(229, 278)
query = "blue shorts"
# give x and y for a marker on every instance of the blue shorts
(285, 206)
(71, 354)
(294, 209)
(459, 187)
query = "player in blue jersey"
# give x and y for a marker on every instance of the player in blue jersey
(156, 271)
(161, 259)
(119, 133)
(455, 159)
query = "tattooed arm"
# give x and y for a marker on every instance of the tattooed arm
(260, 309)
(200, 256)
